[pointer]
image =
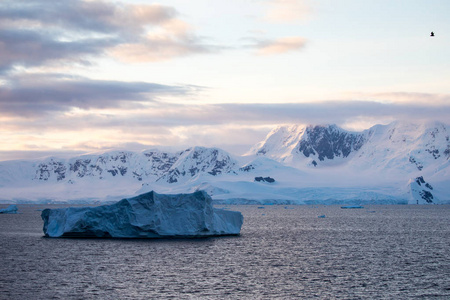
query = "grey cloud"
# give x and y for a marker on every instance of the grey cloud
(275, 46)
(90, 16)
(338, 112)
(36, 32)
(211, 125)
(30, 48)
(37, 95)
(164, 115)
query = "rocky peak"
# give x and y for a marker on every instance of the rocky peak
(199, 160)
(328, 142)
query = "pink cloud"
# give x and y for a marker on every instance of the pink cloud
(281, 45)
(287, 10)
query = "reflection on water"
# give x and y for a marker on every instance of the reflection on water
(283, 252)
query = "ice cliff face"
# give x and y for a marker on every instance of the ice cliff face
(149, 215)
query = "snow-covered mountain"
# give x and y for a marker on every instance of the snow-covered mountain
(390, 146)
(395, 163)
(312, 144)
(109, 175)
(383, 155)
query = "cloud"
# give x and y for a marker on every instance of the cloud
(231, 126)
(409, 97)
(35, 95)
(158, 47)
(287, 10)
(280, 45)
(37, 32)
(175, 115)
(30, 48)
(85, 16)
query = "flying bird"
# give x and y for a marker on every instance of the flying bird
(432, 33)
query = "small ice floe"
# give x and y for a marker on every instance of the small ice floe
(322, 216)
(352, 206)
(12, 209)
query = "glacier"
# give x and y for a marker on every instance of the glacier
(149, 215)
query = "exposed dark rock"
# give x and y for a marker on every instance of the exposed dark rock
(193, 171)
(427, 196)
(420, 180)
(419, 166)
(113, 172)
(261, 151)
(447, 152)
(44, 171)
(434, 152)
(264, 179)
(330, 142)
(138, 176)
(122, 170)
(247, 168)
(425, 192)
(199, 160)
(81, 167)
(269, 179)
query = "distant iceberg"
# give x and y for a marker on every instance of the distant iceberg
(352, 206)
(12, 209)
(149, 215)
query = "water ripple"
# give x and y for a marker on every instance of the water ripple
(384, 252)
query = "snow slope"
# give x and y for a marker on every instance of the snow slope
(294, 164)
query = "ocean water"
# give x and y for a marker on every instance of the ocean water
(378, 252)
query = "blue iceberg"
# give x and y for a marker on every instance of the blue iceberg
(12, 209)
(149, 215)
(352, 206)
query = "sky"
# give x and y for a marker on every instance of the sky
(90, 76)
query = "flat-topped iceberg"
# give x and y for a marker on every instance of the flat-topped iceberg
(352, 206)
(149, 215)
(12, 209)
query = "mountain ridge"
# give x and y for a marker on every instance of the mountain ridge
(309, 163)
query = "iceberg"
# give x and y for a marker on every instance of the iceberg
(352, 206)
(12, 209)
(148, 215)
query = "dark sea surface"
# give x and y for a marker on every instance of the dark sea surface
(378, 252)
